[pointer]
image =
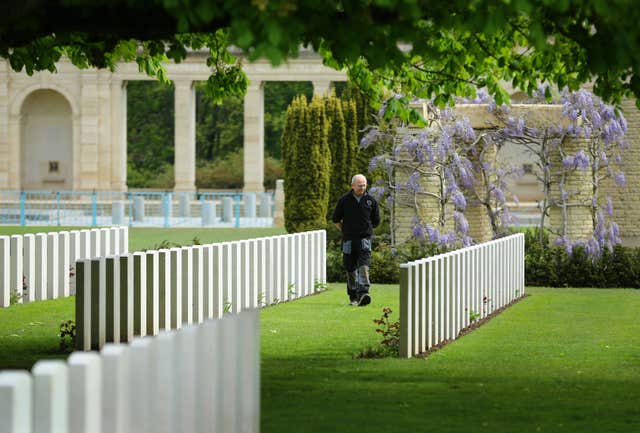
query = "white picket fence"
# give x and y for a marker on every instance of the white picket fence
(202, 378)
(443, 294)
(40, 266)
(139, 294)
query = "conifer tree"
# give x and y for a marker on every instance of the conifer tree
(307, 167)
(364, 117)
(340, 162)
(350, 114)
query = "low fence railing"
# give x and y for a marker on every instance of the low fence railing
(177, 382)
(41, 266)
(443, 294)
(124, 296)
(141, 209)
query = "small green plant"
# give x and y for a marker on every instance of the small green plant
(390, 332)
(291, 289)
(319, 287)
(473, 316)
(261, 299)
(390, 344)
(67, 335)
(15, 297)
(196, 240)
(227, 306)
(163, 245)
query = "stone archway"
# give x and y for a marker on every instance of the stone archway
(46, 141)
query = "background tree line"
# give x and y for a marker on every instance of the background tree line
(219, 135)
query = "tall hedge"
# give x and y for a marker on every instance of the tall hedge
(341, 164)
(364, 117)
(307, 160)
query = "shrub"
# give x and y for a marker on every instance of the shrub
(551, 266)
(159, 178)
(221, 173)
(307, 162)
(390, 332)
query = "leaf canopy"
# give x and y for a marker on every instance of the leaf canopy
(425, 48)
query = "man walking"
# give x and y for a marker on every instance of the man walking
(356, 214)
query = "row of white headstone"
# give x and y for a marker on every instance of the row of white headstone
(140, 294)
(40, 266)
(176, 382)
(443, 294)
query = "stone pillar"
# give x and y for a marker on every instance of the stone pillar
(104, 131)
(626, 201)
(119, 135)
(278, 216)
(185, 136)
(5, 161)
(254, 138)
(578, 188)
(85, 174)
(321, 87)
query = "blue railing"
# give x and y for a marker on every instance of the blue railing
(138, 209)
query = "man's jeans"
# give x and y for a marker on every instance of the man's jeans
(356, 256)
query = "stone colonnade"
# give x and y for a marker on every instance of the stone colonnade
(98, 106)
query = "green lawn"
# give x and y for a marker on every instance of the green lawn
(562, 360)
(148, 238)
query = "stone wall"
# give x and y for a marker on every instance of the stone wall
(626, 200)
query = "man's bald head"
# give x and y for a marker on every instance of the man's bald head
(359, 184)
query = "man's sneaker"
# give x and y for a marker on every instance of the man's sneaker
(365, 299)
(353, 303)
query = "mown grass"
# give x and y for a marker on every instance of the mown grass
(29, 332)
(141, 238)
(562, 360)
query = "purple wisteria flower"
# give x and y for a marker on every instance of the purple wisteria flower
(377, 192)
(433, 234)
(621, 180)
(390, 200)
(600, 232)
(388, 165)
(375, 162)
(609, 207)
(413, 183)
(462, 225)
(418, 231)
(567, 162)
(370, 137)
(582, 160)
(458, 200)
(614, 233)
(498, 194)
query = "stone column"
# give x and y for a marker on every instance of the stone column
(105, 120)
(5, 161)
(118, 135)
(254, 138)
(278, 216)
(86, 175)
(578, 188)
(321, 87)
(185, 136)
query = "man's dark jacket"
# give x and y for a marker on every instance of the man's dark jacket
(358, 219)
